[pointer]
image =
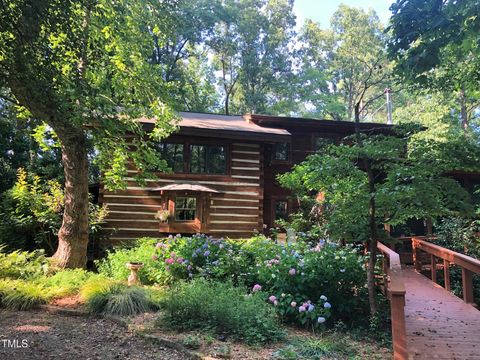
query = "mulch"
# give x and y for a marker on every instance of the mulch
(26, 335)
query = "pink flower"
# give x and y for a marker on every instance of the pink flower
(302, 309)
(180, 260)
(160, 245)
(292, 272)
(256, 288)
(169, 261)
(293, 304)
(275, 303)
(272, 299)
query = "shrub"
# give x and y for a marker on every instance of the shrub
(22, 264)
(65, 282)
(223, 308)
(113, 265)
(21, 295)
(118, 299)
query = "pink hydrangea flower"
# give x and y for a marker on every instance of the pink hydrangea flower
(256, 288)
(180, 260)
(272, 298)
(293, 304)
(292, 272)
(301, 309)
(170, 261)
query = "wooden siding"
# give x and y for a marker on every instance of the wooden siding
(235, 211)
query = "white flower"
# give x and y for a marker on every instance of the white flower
(323, 297)
(342, 270)
(321, 320)
(327, 305)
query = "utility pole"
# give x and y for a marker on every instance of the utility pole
(388, 92)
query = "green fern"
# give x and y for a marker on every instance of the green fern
(21, 295)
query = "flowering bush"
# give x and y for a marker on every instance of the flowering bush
(305, 284)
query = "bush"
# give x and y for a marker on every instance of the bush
(21, 295)
(65, 282)
(118, 299)
(22, 264)
(223, 308)
(113, 265)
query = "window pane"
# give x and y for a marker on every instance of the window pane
(281, 151)
(210, 159)
(321, 143)
(197, 159)
(173, 155)
(281, 210)
(185, 208)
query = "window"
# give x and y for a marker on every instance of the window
(280, 152)
(185, 208)
(281, 210)
(208, 159)
(173, 155)
(320, 143)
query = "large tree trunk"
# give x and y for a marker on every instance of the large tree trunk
(73, 235)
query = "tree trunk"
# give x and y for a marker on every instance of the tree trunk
(73, 234)
(372, 243)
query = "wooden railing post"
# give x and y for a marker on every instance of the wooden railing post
(399, 332)
(433, 268)
(467, 286)
(416, 260)
(446, 274)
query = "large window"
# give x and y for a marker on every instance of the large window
(173, 155)
(280, 152)
(185, 208)
(208, 159)
(281, 210)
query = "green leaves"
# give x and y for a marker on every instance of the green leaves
(411, 176)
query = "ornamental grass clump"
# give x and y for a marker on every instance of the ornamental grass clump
(222, 308)
(117, 299)
(21, 295)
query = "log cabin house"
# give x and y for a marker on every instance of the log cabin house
(223, 179)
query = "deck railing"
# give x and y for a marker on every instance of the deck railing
(468, 264)
(395, 290)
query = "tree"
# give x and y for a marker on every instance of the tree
(344, 69)
(250, 47)
(435, 44)
(82, 67)
(408, 178)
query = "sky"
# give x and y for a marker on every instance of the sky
(322, 10)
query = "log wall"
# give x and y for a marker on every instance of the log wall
(235, 211)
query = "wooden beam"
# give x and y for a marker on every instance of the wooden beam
(446, 274)
(433, 268)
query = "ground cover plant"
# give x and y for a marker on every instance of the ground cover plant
(222, 308)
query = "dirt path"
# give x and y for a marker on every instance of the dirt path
(47, 336)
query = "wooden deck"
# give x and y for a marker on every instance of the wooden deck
(439, 325)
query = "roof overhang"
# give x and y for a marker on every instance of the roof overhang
(185, 187)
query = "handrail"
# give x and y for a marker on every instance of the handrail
(395, 288)
(468, 264)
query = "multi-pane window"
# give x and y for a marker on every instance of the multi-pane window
(280, 152)
(208, 159)
(185, 208)
(173, 155)
(320, 143)
(281, 210)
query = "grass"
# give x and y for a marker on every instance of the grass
(113, 298)
(21, 295)
(64, 283)
(331, 345)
